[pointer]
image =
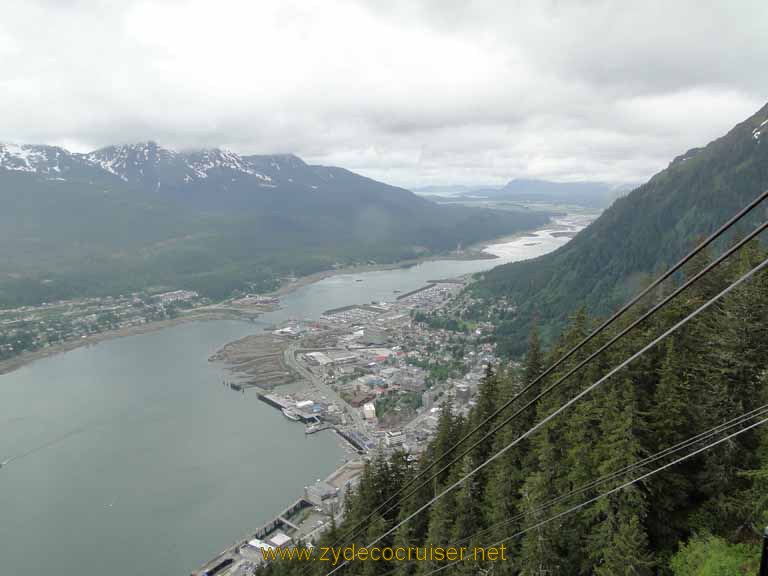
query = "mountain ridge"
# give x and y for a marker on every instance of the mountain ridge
(126, 217)
(129, 162)
(590, 194)
(647, 229)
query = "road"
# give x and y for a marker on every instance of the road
(317, 382)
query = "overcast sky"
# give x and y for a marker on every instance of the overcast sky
(413, 93)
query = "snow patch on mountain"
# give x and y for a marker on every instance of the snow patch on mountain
(121, 160)
(207, 160)
(757, 131)
(29, 158)
(152, 166)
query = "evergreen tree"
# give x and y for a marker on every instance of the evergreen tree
(442, 520)
(485, 406)
(621, 430)
(711, 370)
(671, 422)
(534, 359)
(449, 431)
(370, 567)
(627, 554)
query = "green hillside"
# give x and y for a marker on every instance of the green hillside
(702, 516)
(73, 228)
(639, 234)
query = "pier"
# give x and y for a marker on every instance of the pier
(315, 428)
(352, 438)
(412, 292)
(341, 309)
(281, 404)
(228, 557)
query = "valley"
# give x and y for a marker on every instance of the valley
(229, 435)
(355, 288)
(130, 218)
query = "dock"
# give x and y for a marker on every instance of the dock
(352, 438)
(412, 292)
(298, 521)
(227, 558)
(368, 307)
(314, 429)
(281, 404)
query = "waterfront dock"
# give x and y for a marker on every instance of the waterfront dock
(427, 286)
(284, 404)
(354, 439)
(304, 520)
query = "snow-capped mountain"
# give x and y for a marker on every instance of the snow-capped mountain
(149, 166)
(123, 218)
(50, 160)
(210, 179)
(153, 165)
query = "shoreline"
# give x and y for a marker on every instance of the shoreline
(220, 312)
(227, 310)
(473, 253)
(13, 364)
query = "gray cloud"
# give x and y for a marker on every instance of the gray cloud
(410, 92)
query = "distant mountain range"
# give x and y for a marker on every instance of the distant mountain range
(588, 194)
(213, 178)
(639, 234)
(148, 163)
(131, 216)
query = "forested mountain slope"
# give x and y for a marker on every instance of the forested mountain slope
(702, 516)
(638, 235)
(125, 218)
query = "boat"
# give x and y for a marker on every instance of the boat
(291, 415)
(359, 280)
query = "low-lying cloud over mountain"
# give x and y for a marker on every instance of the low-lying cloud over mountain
(414, 93)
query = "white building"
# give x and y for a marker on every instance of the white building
(369, 411)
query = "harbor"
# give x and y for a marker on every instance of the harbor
(153, 402)
(357, 378)
(363, 372)
(314, 420)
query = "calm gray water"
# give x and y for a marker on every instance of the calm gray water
(342, 290)
(130, 457)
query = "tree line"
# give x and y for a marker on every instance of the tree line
(701, 517)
